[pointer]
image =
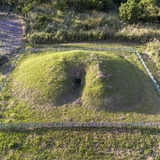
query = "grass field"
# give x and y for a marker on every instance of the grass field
(126, 95)
(114, 88)
(87, 143)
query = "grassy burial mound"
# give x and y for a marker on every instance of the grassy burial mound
(102, 80)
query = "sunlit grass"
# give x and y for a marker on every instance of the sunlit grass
(88, 143)
(37, 90)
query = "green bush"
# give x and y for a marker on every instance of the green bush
(129, 11)
(149, 10)
(41, 22)
(83, 5)
(22, 6)
(139, 10)
(27, 8)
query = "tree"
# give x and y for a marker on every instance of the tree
(139, 10)
(129, 11)
(148, 10)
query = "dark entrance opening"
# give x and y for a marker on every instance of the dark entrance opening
(77, 82)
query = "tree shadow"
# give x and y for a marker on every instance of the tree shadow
(101, 130)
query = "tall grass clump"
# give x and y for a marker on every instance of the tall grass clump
(153, 50)
(71, 26)
(141, 33)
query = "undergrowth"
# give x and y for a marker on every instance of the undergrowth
(151, 55)
(71, 26)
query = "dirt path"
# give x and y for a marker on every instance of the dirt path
(11, 35)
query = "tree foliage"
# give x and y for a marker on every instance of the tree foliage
(83, 5)
(22, 6)
(140, 10)
(131, 11)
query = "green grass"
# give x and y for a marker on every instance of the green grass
(153, 51)
(83, 45)
(114, 87)
(52, 80)
(88, 143)
(151, 55)
(1, 78)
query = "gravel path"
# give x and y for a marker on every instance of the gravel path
(10, 35)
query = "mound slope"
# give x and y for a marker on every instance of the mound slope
(88, 78)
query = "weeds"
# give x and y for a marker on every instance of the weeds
(70, 26)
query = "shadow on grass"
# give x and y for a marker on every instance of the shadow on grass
(114, 130)
(5, 68)
(93, 44)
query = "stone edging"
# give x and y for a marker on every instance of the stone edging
(77, 125)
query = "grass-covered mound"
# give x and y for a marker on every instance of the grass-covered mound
(107, 80)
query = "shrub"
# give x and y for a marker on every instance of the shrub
(27, 8)
(39, 37)
(129, 11)
(148, 10)
(83, 5)
(41, 22)
(139, 10)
